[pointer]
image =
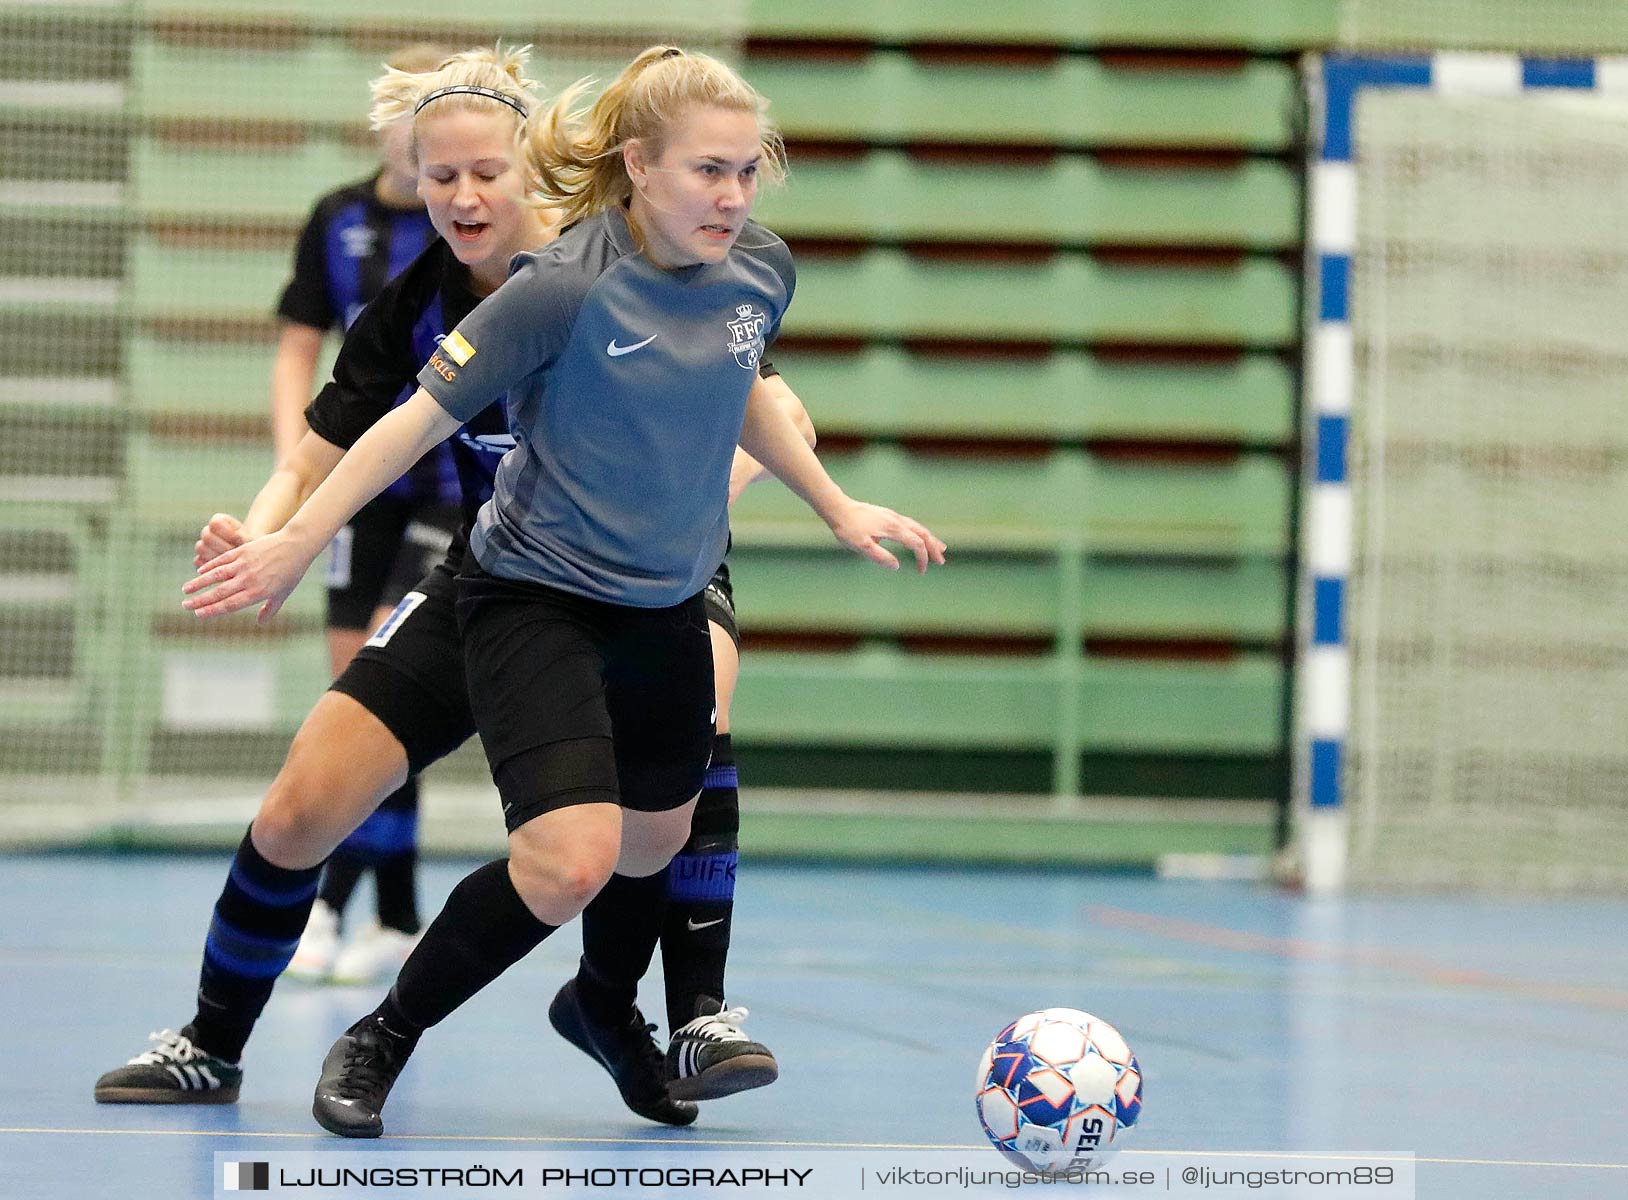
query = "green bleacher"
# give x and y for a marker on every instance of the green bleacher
(1062, 395)
(882, 293)
(1069, 199)
(1065, 497)
(1268, 26)
(1005, 594)
(1048, 302)
(957, 701)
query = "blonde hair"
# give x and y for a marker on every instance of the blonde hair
(398, 93)
(418, 57)
(576, 156)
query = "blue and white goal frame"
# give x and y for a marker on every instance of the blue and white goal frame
(1336, 83)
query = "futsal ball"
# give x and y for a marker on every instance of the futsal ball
(1058, 1089)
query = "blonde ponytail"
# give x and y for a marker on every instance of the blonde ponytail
(575, 155)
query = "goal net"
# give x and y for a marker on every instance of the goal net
(1487, 605)
(156, 163)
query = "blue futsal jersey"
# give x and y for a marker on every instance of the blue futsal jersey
(627, 387)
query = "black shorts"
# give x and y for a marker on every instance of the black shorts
(719, 598)
(410, 673)
(387, 547)
(579, 701)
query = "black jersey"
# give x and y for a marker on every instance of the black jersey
(351, 246)
(377, 368)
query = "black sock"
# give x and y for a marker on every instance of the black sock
(484, 929)
(257, 923)
(339, 877)
(701, 894)
(620, 928)
(396, 880)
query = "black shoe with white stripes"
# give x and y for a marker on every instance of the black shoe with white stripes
(172, 1072)
(711, 1057)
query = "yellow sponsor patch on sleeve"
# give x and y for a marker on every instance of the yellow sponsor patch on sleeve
(457, 348)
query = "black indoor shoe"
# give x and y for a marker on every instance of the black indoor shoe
(357, 1076)
(625, 1049)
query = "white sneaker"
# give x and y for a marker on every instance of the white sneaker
(712, 1056)
(319, 945)
(172, 1072)
(373, 952)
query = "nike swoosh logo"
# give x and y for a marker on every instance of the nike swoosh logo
(692, 924)
(488, 443)
(616, 351)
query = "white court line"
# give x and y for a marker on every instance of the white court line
(1293, 1155)
(567, 1141)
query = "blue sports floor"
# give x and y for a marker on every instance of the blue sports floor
(1489, 1037)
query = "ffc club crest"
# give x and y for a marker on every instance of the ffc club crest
(746, 336)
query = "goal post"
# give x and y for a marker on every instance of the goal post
(1462, 679)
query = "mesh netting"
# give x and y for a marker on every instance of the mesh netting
(1490, 469)
(156, 163)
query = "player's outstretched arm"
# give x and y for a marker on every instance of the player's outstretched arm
(769, 436)
(293, 371)
(296, 477)
(265, 570)
(746, 470)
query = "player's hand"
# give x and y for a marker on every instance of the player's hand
(224, 532)
(263, 571)
(864, 527)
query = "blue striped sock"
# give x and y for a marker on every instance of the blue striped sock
(255, 928)
(701, 893)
